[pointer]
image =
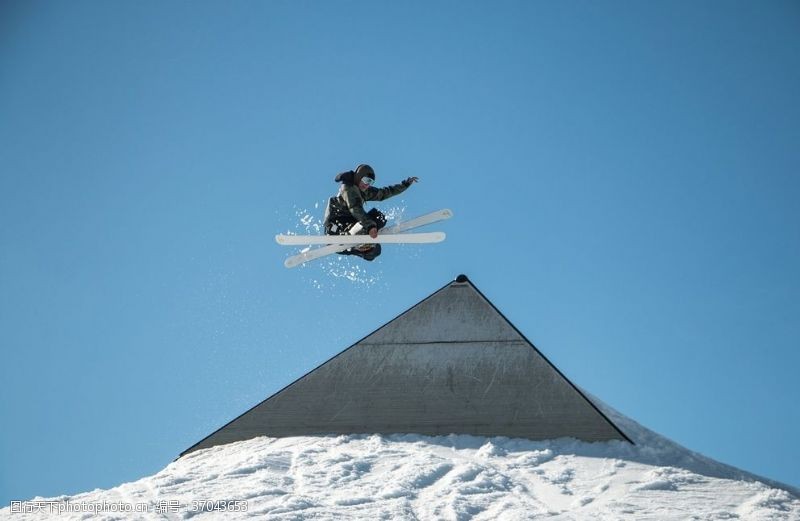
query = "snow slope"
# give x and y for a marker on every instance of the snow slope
(453, 477)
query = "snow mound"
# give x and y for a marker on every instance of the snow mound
(654, 449)
(455, 477)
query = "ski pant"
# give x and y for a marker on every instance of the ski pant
(342, 226)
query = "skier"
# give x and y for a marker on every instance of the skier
(345, 213)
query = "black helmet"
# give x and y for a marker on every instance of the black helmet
(362, 171)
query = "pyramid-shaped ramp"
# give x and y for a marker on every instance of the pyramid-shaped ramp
(450, 364)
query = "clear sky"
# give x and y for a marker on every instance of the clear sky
(625, 180)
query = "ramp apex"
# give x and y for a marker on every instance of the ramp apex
(462, 278)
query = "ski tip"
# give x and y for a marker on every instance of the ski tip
(295, 260)
(447, 212)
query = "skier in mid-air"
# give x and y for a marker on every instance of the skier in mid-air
(345, 213)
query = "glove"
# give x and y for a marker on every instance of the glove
(411, 180)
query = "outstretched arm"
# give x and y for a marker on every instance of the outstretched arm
(379, 194)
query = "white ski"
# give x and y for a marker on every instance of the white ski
(391, 238)
(422, 220)
(323, 251)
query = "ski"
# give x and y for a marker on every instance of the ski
(323, 251)
(390, 238)
(422, 220)
(311, 254)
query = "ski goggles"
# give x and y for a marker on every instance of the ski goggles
(367, 180)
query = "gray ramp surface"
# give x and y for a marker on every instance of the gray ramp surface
(450, 364)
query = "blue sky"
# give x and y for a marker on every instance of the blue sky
(624, 176)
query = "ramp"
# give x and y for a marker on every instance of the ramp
(450, 364)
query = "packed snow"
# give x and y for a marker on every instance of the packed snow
(457, 477)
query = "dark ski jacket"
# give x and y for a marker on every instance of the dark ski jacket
(348, 204)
